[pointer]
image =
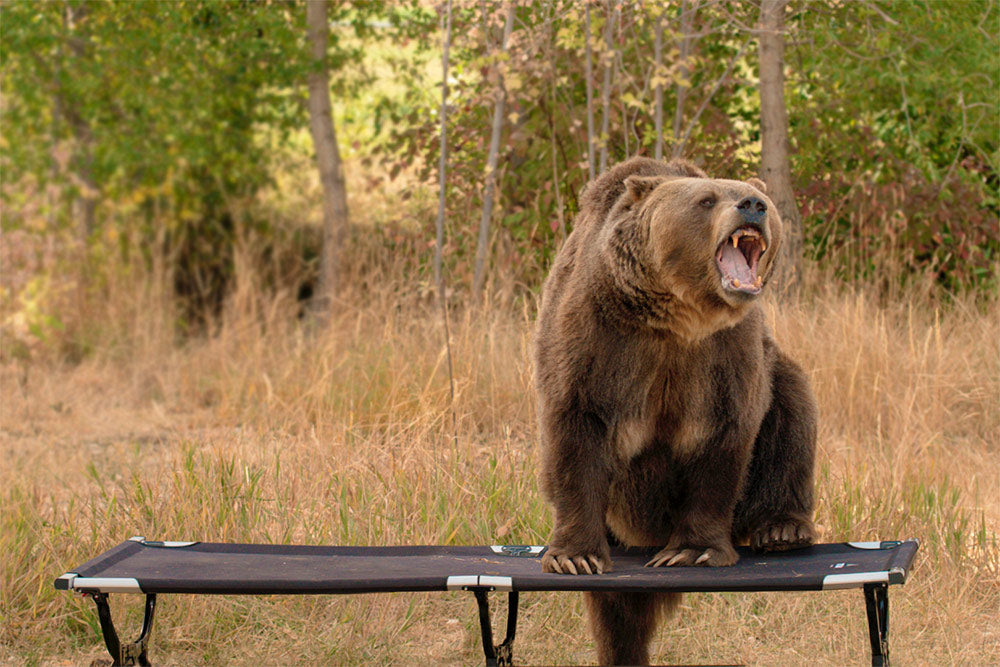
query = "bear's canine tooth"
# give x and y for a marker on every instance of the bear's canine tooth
(736, 282)
(734, 238)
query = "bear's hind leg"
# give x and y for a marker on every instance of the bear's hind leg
(623, 624)
(776, 507)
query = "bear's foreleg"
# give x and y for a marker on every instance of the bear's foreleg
(623, 624)
(575, 478)
(776, 507)
(702, 534)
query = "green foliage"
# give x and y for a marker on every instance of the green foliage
(168, 92)
(893, 108)
(149, 128)
(162, 115)
(154, 108)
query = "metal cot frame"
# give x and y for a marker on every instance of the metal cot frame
(154, 567)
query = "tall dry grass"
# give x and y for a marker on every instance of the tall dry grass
(267, 429)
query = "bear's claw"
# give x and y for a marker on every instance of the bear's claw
(561, 563)
(697, 556)
(783, 535)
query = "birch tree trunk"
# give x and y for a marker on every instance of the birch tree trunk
(439, 246)
(688, 10)
(479, 275)
(610, 19)
(589, 74)
(774, 165)
(335, 215)
(443, 161)
(556, 181)
(658, 88)
(85, 207)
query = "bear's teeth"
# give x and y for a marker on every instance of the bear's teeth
(736, 282)
(759, 281)
(735, 239)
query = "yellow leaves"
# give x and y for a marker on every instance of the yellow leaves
(672, 75)
(29, 322)
(513, 82)
(568, 37)
(630, 100)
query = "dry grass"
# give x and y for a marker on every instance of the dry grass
(267, 431)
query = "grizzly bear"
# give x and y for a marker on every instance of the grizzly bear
(669, 417)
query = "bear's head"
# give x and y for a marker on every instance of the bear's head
(704, 247)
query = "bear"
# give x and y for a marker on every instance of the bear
(668, 416)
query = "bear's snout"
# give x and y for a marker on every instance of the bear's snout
(752, 209)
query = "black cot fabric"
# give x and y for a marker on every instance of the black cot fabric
(208, 568)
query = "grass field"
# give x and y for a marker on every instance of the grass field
(269, 431)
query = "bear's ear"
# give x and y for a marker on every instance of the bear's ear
(757, 183)
(639, 187)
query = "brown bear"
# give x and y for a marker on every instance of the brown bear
(669, 418)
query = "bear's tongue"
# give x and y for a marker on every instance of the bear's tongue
(735, 268)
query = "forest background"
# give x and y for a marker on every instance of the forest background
(207, 334)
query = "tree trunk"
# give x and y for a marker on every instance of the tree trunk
(589, 74)
(439, 246)
(479, 275)
(331, 174)
(85, 207)
(658, 88)
(443, 163)
(774, 165)
(556, 180)
(610, 19)
(688, 10)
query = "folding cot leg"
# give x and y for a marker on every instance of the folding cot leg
(502, 654)
(877, 604)
(133, 653)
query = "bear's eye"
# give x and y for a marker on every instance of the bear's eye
(707, 202)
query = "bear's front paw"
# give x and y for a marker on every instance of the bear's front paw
(567, 560)
(783, 535)
(720, 555)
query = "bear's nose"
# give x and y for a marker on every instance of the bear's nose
(752, 209)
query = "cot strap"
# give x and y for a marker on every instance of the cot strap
(502, 654)
(129, 653)
(877, 604)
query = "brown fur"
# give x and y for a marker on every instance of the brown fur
(669, 418)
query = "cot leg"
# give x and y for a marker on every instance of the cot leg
(502, 654)
(877, 604)
(133, 653)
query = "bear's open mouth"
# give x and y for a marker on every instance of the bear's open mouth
(737, 258)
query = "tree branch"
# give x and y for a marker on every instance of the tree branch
(679, 147)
